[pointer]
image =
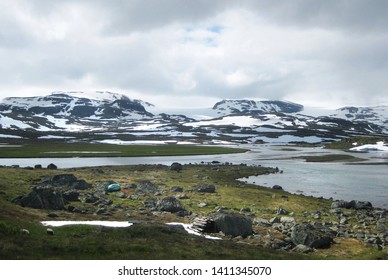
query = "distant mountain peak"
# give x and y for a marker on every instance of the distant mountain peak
(246, 106)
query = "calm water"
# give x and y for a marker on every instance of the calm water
(337, 180)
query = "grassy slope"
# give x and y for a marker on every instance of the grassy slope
(152, 241)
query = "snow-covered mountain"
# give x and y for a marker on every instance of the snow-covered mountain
(252, 107)
(106, 116)
(65, 109)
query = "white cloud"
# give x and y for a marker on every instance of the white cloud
(331, 53)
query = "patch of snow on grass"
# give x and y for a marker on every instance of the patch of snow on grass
(379, 146)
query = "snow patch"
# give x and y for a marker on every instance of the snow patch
(379, 146)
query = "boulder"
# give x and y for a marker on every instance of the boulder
(277, 187)
(52, 166)
(234, 224)
(205, 188)
(176, 166)
(169, 204)
(44, 198)
(146, 187)
(307, 234)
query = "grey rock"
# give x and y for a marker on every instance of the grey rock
(150, 202)
(308, 235)
(300, 248)
(205, 188)
(182, 196)
(52, 166)
(277, 187)
(81, 185)
(120, 195)
(177, 189)
(202, 204)
(281, 211)
(289, 220)
(50, 231)
(176, 166)
(261, 222)
(169, 204)
(71, 195)
(44, 198)
(52, 215)
(274, 220)
(245, 209)
(234, 224)
(146, 187)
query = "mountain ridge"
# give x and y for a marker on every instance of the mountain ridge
(235, 121)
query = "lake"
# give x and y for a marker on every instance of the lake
(335, 179)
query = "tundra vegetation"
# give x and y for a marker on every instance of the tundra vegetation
(153, 195)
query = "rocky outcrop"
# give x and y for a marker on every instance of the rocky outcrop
(54, 192)
(44, 198)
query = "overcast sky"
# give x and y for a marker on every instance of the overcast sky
(188, 53)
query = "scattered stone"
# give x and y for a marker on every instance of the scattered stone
(277, 187)
(150, 202)
(175, 166)
(52, 215)
(205, 188)
(103, 212)
(202, 204)
(274, 220)
(245, 209)
(281, 211)
(355, 204)
(130, 186)
(120, 195)
(169, 204)
(134, 197)
(146, 187)
(261, 222)
(300, 248)
(290, 220)
(182, 196)
(38, 166)
(50, 231)
(177, 189)
(52, 166)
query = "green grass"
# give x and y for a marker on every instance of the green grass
(331, 158)
(98, 150)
